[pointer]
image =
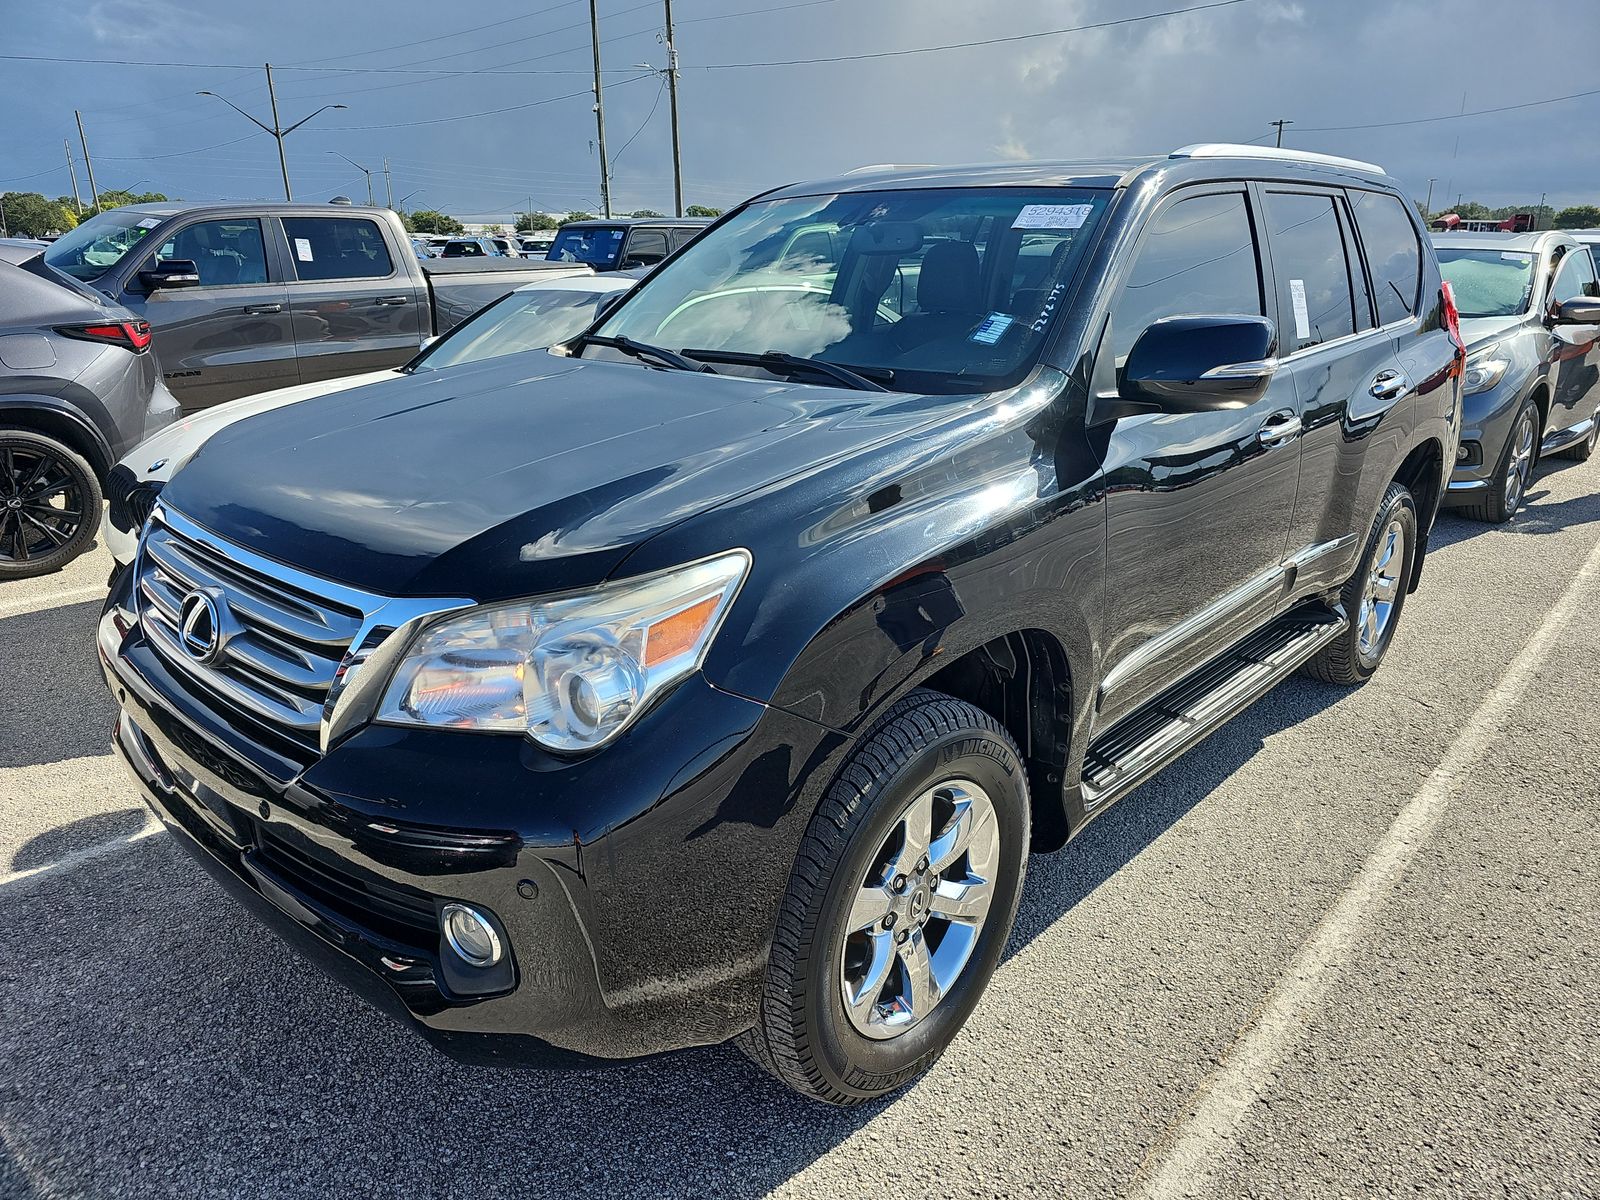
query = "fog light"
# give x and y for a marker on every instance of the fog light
(1462, 454)
(471, 935)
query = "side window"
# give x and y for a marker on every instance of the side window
(1393, 253)
(337, 248)
(681, 236)
(1198, 257)
(225, 252)
(1313, 277)
(645, 248)
(1575, 278)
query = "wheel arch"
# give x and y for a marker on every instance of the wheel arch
(50, 418)
(1422, 472)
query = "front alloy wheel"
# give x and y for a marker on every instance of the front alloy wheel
(919, 910)
(1519, 463)
(49, 505)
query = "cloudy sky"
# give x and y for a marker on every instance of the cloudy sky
(481, 108)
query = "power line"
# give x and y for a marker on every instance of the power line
(1455, 116)
(642, 124)
(491, 112)
(1018, 37)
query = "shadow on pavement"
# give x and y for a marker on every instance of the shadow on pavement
(53, 703)
(1539, 515)
(57, 843)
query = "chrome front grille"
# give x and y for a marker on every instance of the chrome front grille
(278, 647)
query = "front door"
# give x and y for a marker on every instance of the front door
(1575, 366)
(230, 336)
(1197, 504)
(355, 308)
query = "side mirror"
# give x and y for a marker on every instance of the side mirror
(1580, 310)
(173, 273)
(607, 302)
(1201, 364)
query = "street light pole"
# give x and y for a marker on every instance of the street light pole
(72, 170)
(388, 184)
(600, 112)
(275, 129)
(364, 170)
(1428, 203)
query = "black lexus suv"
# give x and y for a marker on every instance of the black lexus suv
(712, 675)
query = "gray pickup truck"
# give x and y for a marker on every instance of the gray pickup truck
(246, 298)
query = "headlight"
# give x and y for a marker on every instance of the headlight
(1484, 370)
(570, 671)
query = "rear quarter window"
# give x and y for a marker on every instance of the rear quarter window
(337, 248)
(1394, 255)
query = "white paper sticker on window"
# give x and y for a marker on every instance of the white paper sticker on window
(1052, 216)
(302, 249)
(149, 222)
(1302, 317)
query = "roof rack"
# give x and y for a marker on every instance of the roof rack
(871, 167)
(1232, 150)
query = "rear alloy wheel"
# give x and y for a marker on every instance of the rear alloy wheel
(899, 906)
(1508, 487)
(49, 505)
(1373, 597)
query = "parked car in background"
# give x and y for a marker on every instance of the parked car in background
(247, 297)
(537, 243)
(78, 387)
(705, 679)
(424, 247)
(18, 250)
(507, 246)
(473, 247)
(622, 244)
(535, 315)
(1589, 238)
(1530, 315)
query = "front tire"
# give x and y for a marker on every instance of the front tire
(1373, 597)
(49, 505)
(1514, 470)
(1584, 449)
(900, 903)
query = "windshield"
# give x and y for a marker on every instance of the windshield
(99, 244)
(596, 246)
(524, 320)
(935, 290)
(1488, 283)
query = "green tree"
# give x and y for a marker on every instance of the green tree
(700, 210)
(118, 197)
(578, 215)
(1579, 216)
(428, 220)
(1472, 211)
(529, 221)
(29, 214)
(646, 212)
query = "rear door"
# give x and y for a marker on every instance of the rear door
(1352, 393)
(354, 303)
(1197, 504)
(645, 248)
(231, 336)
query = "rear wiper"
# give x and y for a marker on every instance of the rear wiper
(780, 363)
(642, 350)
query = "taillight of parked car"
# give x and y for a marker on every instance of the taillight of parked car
(1452, 317)
(131, 335)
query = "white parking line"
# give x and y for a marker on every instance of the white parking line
(1182, 1162)
(87, 855)
(15, 608)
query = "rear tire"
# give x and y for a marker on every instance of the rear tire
(1513, 470)
(1582, 451)
(1373, 597)
(886, 939)
(50, 504)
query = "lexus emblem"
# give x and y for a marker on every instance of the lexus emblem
(200, 626)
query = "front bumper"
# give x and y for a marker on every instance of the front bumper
(637, 888)
(1487, 418)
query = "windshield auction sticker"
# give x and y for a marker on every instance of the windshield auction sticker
(1052, 216)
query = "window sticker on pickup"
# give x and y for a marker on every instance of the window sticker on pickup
(992, 328)
(302, 249)
(1302, 316)
(149, 222)
(1052, 216)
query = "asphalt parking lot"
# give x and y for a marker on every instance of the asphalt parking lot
(1346, 947)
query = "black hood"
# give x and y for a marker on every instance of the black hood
(525, 474)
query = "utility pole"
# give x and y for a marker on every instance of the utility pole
(672, 103)
(276, 129)
(600, 112)
(1428, 203)
(364, 170)
(88, 163)
(1538, 220)
(72, 170)
(388, 184)
(1280, 123)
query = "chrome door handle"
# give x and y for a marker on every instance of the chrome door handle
(1390, 385)
(1279, 431)
(393, 300)
(256, 310)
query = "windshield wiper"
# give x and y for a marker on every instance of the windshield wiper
(780, 363)
(643, 350)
